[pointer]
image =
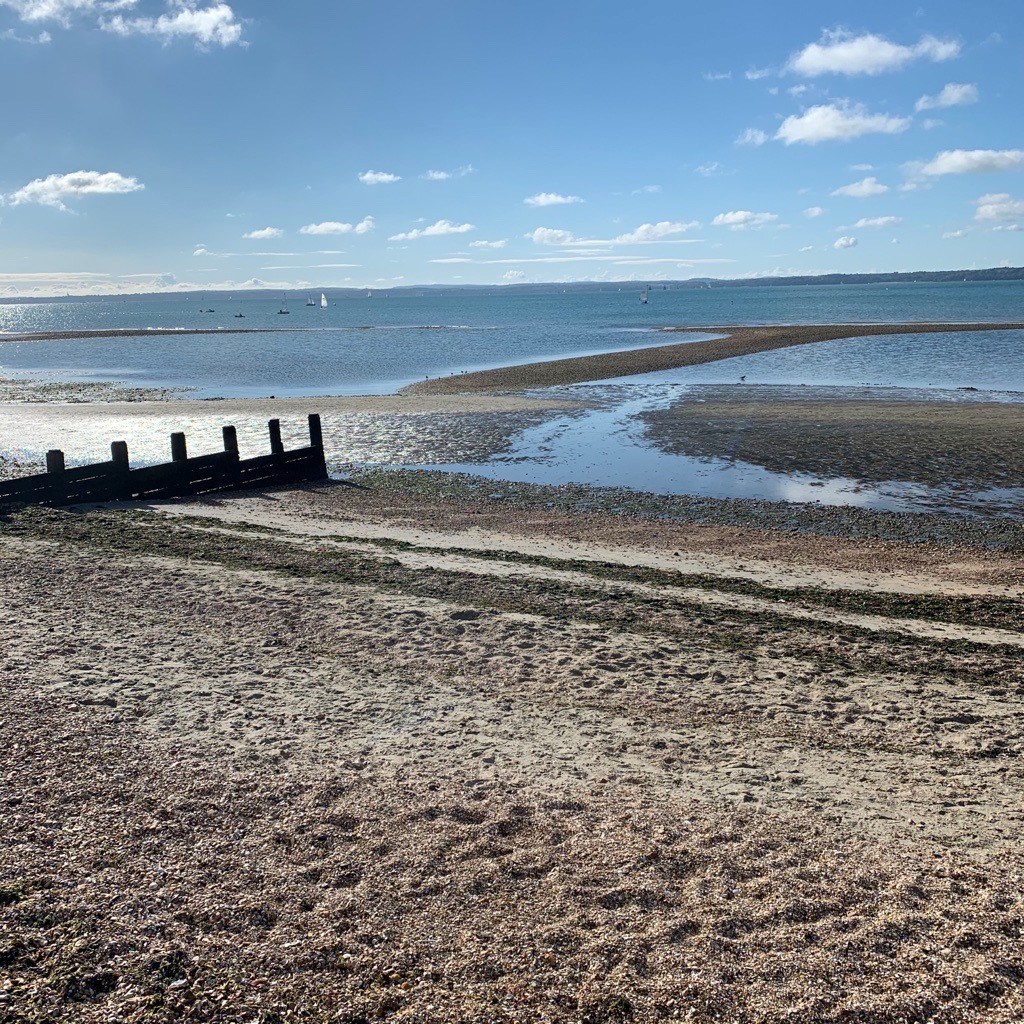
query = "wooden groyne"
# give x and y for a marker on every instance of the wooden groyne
(116, 480)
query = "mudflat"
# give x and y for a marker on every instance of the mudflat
(934, 442)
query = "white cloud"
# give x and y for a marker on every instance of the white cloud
(327, 227)
(861, 167)
(334, 227)
(952, 95)
(551, 236)
(1006, 227)
(551, 199)
(499, 243)
(751, 137)
(932, 122)
(514, 275)
(621, 261)
(972, 161)
(806, 248)
(655, 232)
(797, 90)
(379, 178)
(877, 222)
(440, 227)
(62, 10)
(862, 189)
(663, 231)
(845, 242)
(739, 220)
(11, 36)
(216, 24)
(716, 76)
(837, 121)
(960, 233)
(54, 189)
(842, 53)
(262, 233)
(814, 211)
(998, 206)
(708, 170)
(646, 190)
(756, 74)
(459, 172)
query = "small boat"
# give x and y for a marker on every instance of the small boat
(369, 294)
(309, 300)
(323, 301)
(644, 294)
(284, 305)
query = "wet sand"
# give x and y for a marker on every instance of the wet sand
(737, 341)
(365, 753)
(390, 429)
(939, 443)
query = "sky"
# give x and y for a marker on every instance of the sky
(193, 144)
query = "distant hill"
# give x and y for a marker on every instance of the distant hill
(590, 287)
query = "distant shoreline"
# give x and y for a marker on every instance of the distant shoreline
(737, 341)
(985, 275)
(144, 332)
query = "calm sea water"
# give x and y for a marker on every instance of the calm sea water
(377, 345)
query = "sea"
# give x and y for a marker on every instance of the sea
(380, 343)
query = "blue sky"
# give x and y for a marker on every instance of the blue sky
(145, 139)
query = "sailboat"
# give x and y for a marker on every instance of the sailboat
(240, 314)
(644, 293)
(284, 303)
(323, 301)
(309, 300)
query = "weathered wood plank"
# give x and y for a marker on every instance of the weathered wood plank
(204, 474)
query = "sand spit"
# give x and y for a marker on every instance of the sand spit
(355, 754)
(144, 332)
(737, 341)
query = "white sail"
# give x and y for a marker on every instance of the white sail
(323, 301)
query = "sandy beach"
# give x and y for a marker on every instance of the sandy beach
(394, 750)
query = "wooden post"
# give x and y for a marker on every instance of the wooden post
(234, 469)
(276, 445)
(179, 449)
(56, 484)
(316, 441)
(316, 433)
(122, 487)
